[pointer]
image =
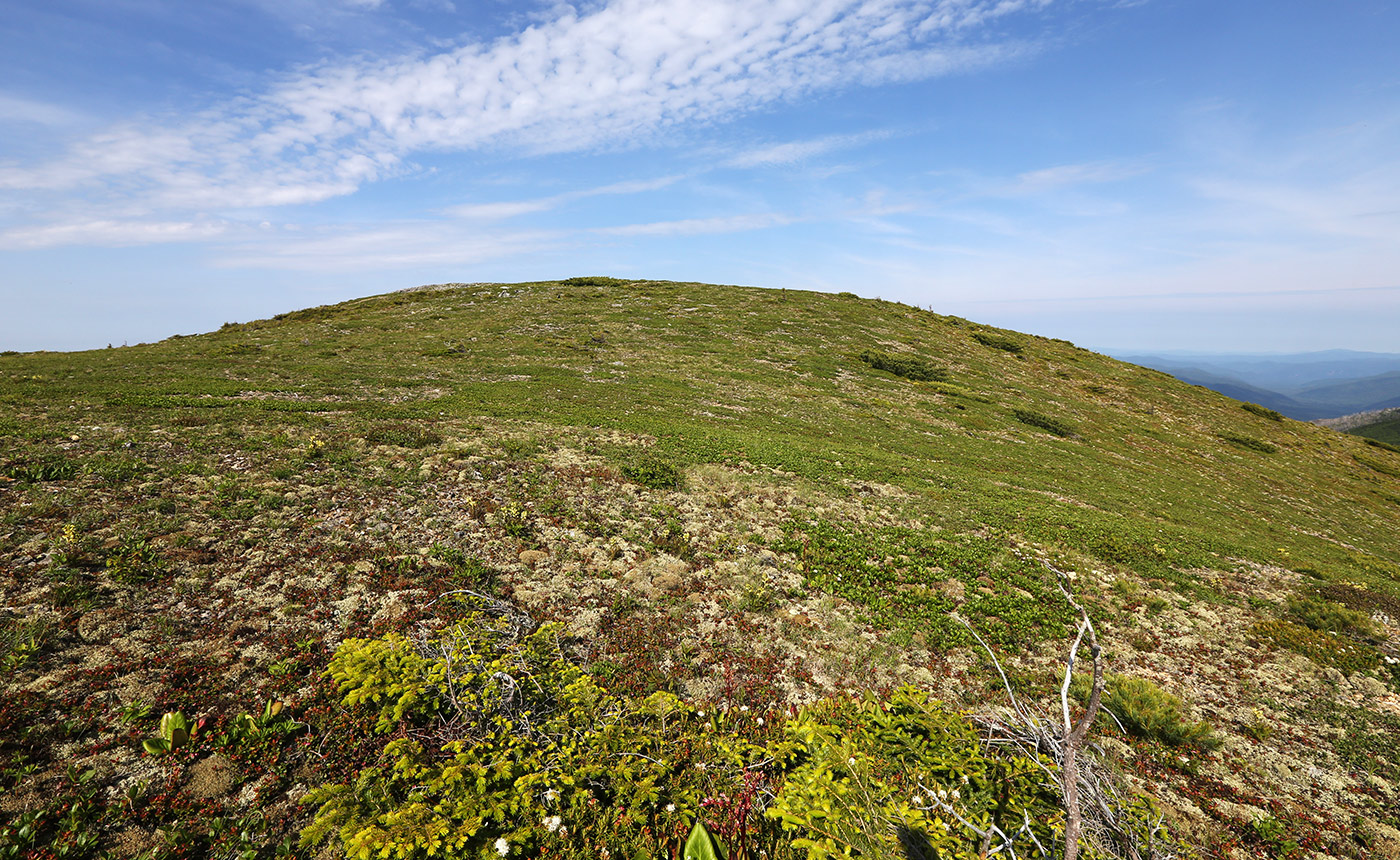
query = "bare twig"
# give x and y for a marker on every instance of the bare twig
(1093, 806)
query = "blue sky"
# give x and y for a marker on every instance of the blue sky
(1162, 174)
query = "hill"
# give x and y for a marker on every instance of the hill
(732, 508)
(1305, 386)
(1382, 425)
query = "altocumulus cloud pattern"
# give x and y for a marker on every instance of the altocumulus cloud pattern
(608, 77)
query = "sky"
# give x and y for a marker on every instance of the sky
(1131, 175)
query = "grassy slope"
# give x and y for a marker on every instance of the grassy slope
(261, 460)
(1382, 431)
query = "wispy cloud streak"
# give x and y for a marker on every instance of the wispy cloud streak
(611, 77)
(499, 211)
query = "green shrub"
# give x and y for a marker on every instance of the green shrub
(867, 776)
(907, 366)
(1262, 411)
(997, 341)
(594, 281)
(402, 434)
(1323, 615)
(513, 519)
(529, 754)
(134, 561)
(497, 745)
(1384, 446)
(1324, 649)
(1250, 443)
(652, 471)
(1045, 422)
(35, 470)
(1147, 711)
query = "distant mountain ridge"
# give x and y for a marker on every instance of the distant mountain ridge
(1304, 386)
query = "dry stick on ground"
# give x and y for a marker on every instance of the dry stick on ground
(1079, 779)
(1074, 737)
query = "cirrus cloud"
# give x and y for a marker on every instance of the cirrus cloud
(611, 77)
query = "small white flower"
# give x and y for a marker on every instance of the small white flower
(760, 721)
(851, 761)
(502, 846)
(743, 708)
(955, 794)
(670, 807)
(918, 801)
(552, 823)
(964, 779)
(700, 714)
(551, 795)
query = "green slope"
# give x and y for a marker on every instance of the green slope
(854, 470)
(1382, 431)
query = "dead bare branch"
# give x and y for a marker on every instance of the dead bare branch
(1094, 803)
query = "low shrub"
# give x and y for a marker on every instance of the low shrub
(402, 435)
(134, 561)
(879, 777)
(1384, 446)
(50, 467)
(594, 281)
(907, 366)
(1363, 600)
(1050, 425)
(1249, 442)
(511, 749)
(1325, 616)
(652, 471)
(1324, 649)
(1147, 711)
(997, 341)
(495, 744)
(1262, 411)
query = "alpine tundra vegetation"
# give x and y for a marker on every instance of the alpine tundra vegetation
(617, 569)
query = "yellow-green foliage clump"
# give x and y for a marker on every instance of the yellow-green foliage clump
(1326, 616)
(1323, 648)
(504, 747)
(512, 748)
(892, 777)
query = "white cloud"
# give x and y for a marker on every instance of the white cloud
(388, 247)
(1070, 175)
(110, 233)
(792, 152)
(608, 77)
(17, 109)
(512, 208)
(696, 226)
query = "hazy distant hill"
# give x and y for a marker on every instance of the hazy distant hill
(1304, 386)
(754, 516)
